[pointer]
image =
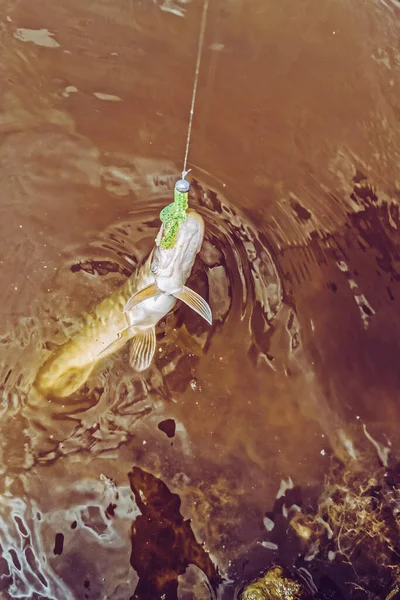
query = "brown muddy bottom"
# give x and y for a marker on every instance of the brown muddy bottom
(272, 437)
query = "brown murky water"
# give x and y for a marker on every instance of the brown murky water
(273, 436)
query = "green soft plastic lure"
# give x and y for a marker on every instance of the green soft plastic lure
(173, 215)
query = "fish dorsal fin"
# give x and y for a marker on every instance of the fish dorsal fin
(145, 294)
(143, 348)
(196, 303)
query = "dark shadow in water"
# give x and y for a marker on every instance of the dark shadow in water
(163, 543)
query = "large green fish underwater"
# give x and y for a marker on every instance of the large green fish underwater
(133, 311)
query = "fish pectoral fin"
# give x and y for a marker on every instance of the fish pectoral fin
(143, 348)
(196, 302)
(145, 294)
(113, 346)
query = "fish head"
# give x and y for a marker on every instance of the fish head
(171, 267)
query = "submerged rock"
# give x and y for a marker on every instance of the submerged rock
(163, 542)
(276, 584)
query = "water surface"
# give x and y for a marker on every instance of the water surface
(250, 429)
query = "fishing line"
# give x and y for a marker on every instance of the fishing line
(173, 215)
(196, 79)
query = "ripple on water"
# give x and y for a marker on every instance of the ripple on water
(116, 405)
(234, 256)
(106, 413)
(53, 552)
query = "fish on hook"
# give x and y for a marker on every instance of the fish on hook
(131, 313)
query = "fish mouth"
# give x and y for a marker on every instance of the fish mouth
(185, 294)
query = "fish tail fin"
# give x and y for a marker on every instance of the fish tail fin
(66, 383)
(195, 302)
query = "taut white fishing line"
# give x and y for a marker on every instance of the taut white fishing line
(196, 79)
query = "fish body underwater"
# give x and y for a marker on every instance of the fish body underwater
(130, 313)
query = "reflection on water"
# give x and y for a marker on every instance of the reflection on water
(272, 437)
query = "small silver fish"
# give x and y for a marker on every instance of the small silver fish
(132, 312)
